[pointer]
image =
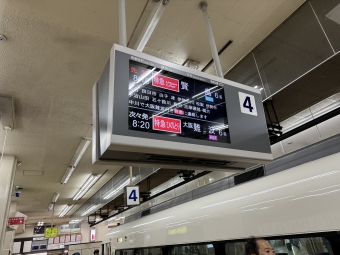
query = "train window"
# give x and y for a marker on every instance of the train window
(310, 245)
(145, 251)
(202, 249)
(296, 246)
(237, 248)
(302, 246)
(152, 251)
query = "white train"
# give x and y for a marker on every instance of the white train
(297, 210)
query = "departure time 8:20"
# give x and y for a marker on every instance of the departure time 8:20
(141, 124)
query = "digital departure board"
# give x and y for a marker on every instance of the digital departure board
(148, 112)
(174, 105)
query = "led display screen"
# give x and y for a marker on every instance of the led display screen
(170, 104)
(39, 230)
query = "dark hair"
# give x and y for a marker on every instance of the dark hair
(96, 251)
(251, 246)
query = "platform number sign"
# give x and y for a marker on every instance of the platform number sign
(132, 195)
(247, 103)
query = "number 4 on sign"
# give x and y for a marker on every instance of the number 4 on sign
(247, 104)
(133, 195)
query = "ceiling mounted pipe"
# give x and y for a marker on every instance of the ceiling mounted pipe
(122, 23)
(204, 8)
(152, 25)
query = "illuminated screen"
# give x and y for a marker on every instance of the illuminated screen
(39, 230)
(167, 103)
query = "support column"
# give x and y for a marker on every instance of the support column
(7, 174)
(9, 234)
(122, 23)
(8, 243)
(152, 25)
(204, 7)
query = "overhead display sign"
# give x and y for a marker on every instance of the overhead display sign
(150, 112)
(39, 230)
(68, 228)
(131, 196)
(51, 232)
(175, 105)
(16, 221)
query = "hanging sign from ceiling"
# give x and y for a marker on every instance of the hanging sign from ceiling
(150, 112)
(51, 232)
(131, 196)
(16, 221)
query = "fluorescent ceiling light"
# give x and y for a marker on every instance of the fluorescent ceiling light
(67, 175)
(66, 209)
(50, 207)
(55, 197)
(53, 201)
(40, 223)
(112, 192)
(89, 210)
(86, 186)
(74, 221)
(85, 142)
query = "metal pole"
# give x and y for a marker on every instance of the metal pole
(122, 23)
(52, 215)
(130, 175)
(152, 25)
(204, 7)
(282, 148)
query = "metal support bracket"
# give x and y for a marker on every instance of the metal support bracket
(274, 127)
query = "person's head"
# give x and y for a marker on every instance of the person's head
(258, 246)
(96, 252)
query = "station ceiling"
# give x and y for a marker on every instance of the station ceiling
(56, 50)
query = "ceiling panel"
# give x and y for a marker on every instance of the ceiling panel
(95, 18)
